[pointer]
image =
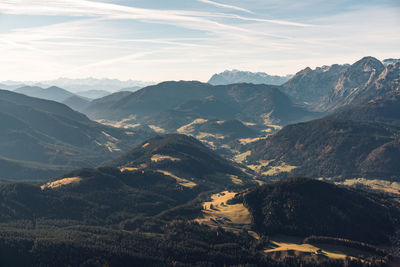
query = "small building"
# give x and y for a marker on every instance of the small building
(319, 252)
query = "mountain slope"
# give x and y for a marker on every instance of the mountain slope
(46, 132)
(311, 85)
(95, 108)
(52, 93)
(237, 76)
(185, 157)
(356, 85)
(93, 195)
(300, 206)
(76, 102)
(385, 109)
(334, 148)
(331, 87)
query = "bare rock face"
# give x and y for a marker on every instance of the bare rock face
(354, 83)
(237, 76)
(331, 87)
(311, 85)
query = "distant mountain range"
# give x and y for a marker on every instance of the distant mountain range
(80, 85)
(237, 76)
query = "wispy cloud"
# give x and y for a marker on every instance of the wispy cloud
(225, 6)
(189, 39)
(114, 11)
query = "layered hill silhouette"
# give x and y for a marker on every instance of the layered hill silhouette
(76, 102)
(49, 133)
(247, 102)
(332, 147)
(52, 93)
(305, 207)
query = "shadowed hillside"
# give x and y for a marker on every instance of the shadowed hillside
(334, 148)
(304, 207)
(49, 133)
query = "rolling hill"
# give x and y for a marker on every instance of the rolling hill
(52, 93)
(93, 195)
(76, 102)
(186, 159)
(262, 104)
(305, 207)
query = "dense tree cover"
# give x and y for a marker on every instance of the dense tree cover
(179, 244)
(304, 207)
(113, 218)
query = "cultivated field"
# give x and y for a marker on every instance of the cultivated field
(218, 213)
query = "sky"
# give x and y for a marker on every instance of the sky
(157, 40)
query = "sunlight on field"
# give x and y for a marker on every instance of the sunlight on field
(380, 185)
(263, 167)
(124, 123)
(249, 123)
(291, 243)
(145, 145)
(129, 169)
(111, 146)
(61, 182)
(242, 157)
(209, 143)
(280, 246)
(157, 129)
(218, 213)
(279, 169)
(110, 137)
(188, 128)
(245, 141)
(158, 157)
(202, 135)
(179, 180)
(274, 126)
(235, 179)
(260, 164)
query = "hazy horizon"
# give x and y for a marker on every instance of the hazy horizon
(189, 40)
